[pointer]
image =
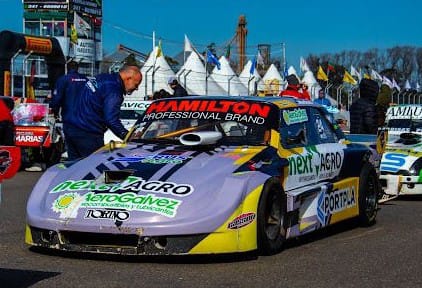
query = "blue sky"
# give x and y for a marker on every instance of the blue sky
(305, 27)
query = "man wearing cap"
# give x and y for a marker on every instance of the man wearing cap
(178, 90)
(293, 88)
(96, 107)
(363, 115)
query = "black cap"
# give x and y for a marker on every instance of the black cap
(292, 80)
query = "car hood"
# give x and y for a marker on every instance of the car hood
(168, 187)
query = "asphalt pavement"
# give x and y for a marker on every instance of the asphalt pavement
(387, 254)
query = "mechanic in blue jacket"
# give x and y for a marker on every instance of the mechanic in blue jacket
(96, 107)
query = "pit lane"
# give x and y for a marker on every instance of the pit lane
(386, 254)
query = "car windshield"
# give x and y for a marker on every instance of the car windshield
(409, 125)
(240, 123)
(130, 114)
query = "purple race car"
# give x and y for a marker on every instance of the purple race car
(205, 175)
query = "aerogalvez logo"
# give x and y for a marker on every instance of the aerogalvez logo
(68, 204)
(333, 202)
(131, 184)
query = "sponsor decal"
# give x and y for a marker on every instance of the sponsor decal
(135, 105)
(38, 45)
(404, 112)
(153, 159)
(242, 220)
(331, 202)
(392, 162)
(111, 214)
(132, 184)
(314, 165)
(29, 138)
(228, 110)
(320, 128)
(295, 116)
(68, 204)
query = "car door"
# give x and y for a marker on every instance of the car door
(310, 144)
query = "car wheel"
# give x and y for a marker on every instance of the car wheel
(271, 231)
(368, 195)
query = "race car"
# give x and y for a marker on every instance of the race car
(401, 163)
(129, 113)
(207, 175)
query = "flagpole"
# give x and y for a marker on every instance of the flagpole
(153, 40)
(206, 71)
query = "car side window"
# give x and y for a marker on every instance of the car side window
(294, 129)
(322, 130)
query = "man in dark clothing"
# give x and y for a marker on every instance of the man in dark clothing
(7, 127)
(96, 107)
(363, 115)
(179, 91)
(64, 98)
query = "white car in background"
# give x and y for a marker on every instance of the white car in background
(129, 113)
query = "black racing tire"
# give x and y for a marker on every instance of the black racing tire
(271, 219)
(368, 195)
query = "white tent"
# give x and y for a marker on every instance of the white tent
(249, 80)
(156, 72)
(272, 82)
(228, 80)
(311, 82)
(192, 76)
(291, 71)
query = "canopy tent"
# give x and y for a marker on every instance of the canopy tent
(249, 80)
(193, 76)
(156, 72)
(228, 80)
(311, 82)
(293, 71)
(272, 82)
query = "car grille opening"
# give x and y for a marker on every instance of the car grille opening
(82, 238)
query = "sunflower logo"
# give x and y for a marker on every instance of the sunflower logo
(67, 205)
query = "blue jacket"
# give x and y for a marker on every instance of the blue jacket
(97, 106)
(65, 92)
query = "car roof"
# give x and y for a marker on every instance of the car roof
(281, 102)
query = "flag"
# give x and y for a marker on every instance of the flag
(321, 74)
(375, 75)
(73, 35)
(159, 50)
(354, 72)
(260, 59)
(387, 82)
(303, 65)
(212, 59)
(330, 67)
(348, 78)
(253, 66)
(82, 27)
(366, 76)
(395, 85)
(188, 45)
